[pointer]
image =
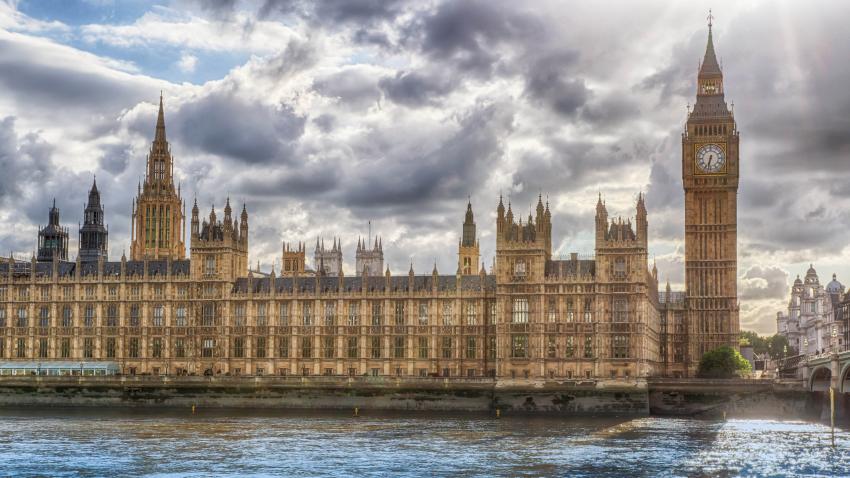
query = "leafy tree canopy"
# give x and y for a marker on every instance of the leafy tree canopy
(723, 362)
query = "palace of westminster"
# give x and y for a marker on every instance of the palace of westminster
(163, 312)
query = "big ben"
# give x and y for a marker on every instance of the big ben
(710, 170)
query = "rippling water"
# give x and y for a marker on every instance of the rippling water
(156, 443)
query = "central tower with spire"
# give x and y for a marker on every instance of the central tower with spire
(158, 211)
(710, 179)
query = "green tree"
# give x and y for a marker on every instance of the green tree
(723, 362)
(757, 342)
(779, 345)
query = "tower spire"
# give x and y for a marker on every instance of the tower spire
(710, 68)
(160, 123)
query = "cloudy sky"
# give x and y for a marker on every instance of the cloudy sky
(324, 115)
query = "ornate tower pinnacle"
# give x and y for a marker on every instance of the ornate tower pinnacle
(468, 251)
(94, 235)
(158, 225)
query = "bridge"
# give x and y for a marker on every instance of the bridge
(821, 371)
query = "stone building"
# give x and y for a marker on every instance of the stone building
(369, 257)
(813, 322)
(328, 261)
(534, 315)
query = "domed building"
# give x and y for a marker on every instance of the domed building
(811, 323)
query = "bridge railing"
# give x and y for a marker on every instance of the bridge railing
(788, 366)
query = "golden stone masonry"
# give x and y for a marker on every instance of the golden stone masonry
(162, 312)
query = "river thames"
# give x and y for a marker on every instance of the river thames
(233, 443)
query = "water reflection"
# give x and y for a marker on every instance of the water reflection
(234, 443)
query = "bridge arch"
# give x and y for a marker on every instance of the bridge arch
(820, 379)
(844, 379)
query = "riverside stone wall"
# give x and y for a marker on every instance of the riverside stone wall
(700, 398)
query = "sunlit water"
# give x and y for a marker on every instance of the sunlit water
(155, 443)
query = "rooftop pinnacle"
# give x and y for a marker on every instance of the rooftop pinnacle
(160, 123)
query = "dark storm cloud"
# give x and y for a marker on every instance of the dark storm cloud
(25, 161)
(445, 172)
(40, 87)
(567, 165)
(243, 130)
(415, 89)
(467, 33)
(115, 158)
(296, 57)
(548, 82)
(610, 111)
(303, 181)
(353, 86)
(677, 78)
(356, 11)
(325, 122)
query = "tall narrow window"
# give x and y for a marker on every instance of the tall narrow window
(283, 347)
(330, 313)
(399, 312)
(283, 314)
(423, 312)
(399, 347)
(306, 313)
(471, 313)
(448, 314)
(353, 314)
(88, 317)
(158, 316)
(423, 347)
(519, 346)
(353, 347)
(520, 311)
(376, 313)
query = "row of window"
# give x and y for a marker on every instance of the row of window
(89, 316)
(157, 291)
(326, 315)
(569, 348)
(328, 347)
(238, 348)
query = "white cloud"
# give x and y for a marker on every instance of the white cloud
(187, 63)
(171, 27)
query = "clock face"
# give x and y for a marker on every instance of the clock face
(711, 158)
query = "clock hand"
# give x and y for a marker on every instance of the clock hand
(710, 157)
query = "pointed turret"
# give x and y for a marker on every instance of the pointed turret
(640, 219)
(243, 225)
(468, 237)
(52, 238)
(159, 136)
(709, 67)
(94, 236)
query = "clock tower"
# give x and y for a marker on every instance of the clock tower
(710, 178)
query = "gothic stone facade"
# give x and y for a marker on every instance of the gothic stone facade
(533, 315)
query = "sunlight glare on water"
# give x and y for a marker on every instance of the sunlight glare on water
(234, 443)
